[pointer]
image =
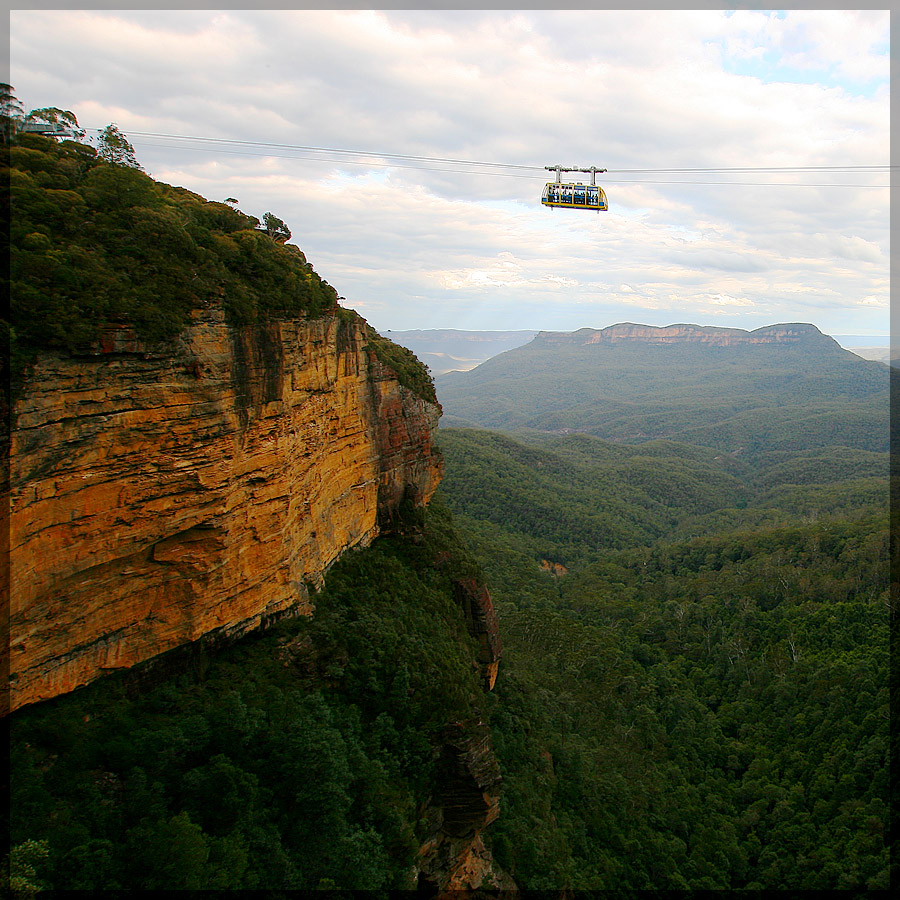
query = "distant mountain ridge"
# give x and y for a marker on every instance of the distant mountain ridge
(681, 333)
(782, 388)
(446, 350)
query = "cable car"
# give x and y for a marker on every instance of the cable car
(577, 195)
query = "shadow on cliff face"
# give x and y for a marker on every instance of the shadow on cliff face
(257, 371)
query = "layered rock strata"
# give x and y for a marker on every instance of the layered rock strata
(163, 494)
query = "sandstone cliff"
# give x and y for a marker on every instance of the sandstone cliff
(159, 495)
(475, 601)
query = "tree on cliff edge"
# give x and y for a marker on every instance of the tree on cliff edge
(115, 148)
(11, 112)
(276, 229)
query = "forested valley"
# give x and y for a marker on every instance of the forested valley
(694, 691)
(693, 694)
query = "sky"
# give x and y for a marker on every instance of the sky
(435, 220)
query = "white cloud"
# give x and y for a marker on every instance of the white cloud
(725, 300)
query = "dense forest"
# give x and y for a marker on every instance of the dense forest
(694, 693)
(300, 758)
(93, 242)
(697, 701)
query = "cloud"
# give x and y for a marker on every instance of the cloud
(849, 47)
(720, 259)
(725, 300)
(431, 240)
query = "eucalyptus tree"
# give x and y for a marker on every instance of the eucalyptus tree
(115, 148)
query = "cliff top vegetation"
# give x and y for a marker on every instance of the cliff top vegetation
(95, 242)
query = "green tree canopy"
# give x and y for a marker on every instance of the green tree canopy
(56, 116)
(115, 148)
(276, 228)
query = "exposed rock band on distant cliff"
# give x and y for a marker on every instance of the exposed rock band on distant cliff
(679, 334)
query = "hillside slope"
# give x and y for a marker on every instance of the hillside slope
(535, 505)
(786, 387)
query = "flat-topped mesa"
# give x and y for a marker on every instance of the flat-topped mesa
(678, 334)
(159, 495)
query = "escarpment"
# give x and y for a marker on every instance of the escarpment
(199, 433)
(791, 333)
(197, 488)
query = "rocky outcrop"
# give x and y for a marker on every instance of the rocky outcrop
(159, 495)
(475, 601)
(467, 800)
(557, 570)
(677, 334)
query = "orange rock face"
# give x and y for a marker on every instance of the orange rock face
(475, 601)
(159, 496)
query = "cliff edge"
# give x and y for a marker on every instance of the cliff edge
(164, 493)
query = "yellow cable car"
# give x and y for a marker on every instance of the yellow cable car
(574, 196)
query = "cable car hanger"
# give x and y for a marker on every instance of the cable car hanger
(569, 195)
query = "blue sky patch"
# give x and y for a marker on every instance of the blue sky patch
(768, 69)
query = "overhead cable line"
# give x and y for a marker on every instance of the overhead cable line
(387, 165)
(375, 153)
(353, 162)
(369, 157)
(761, 169)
